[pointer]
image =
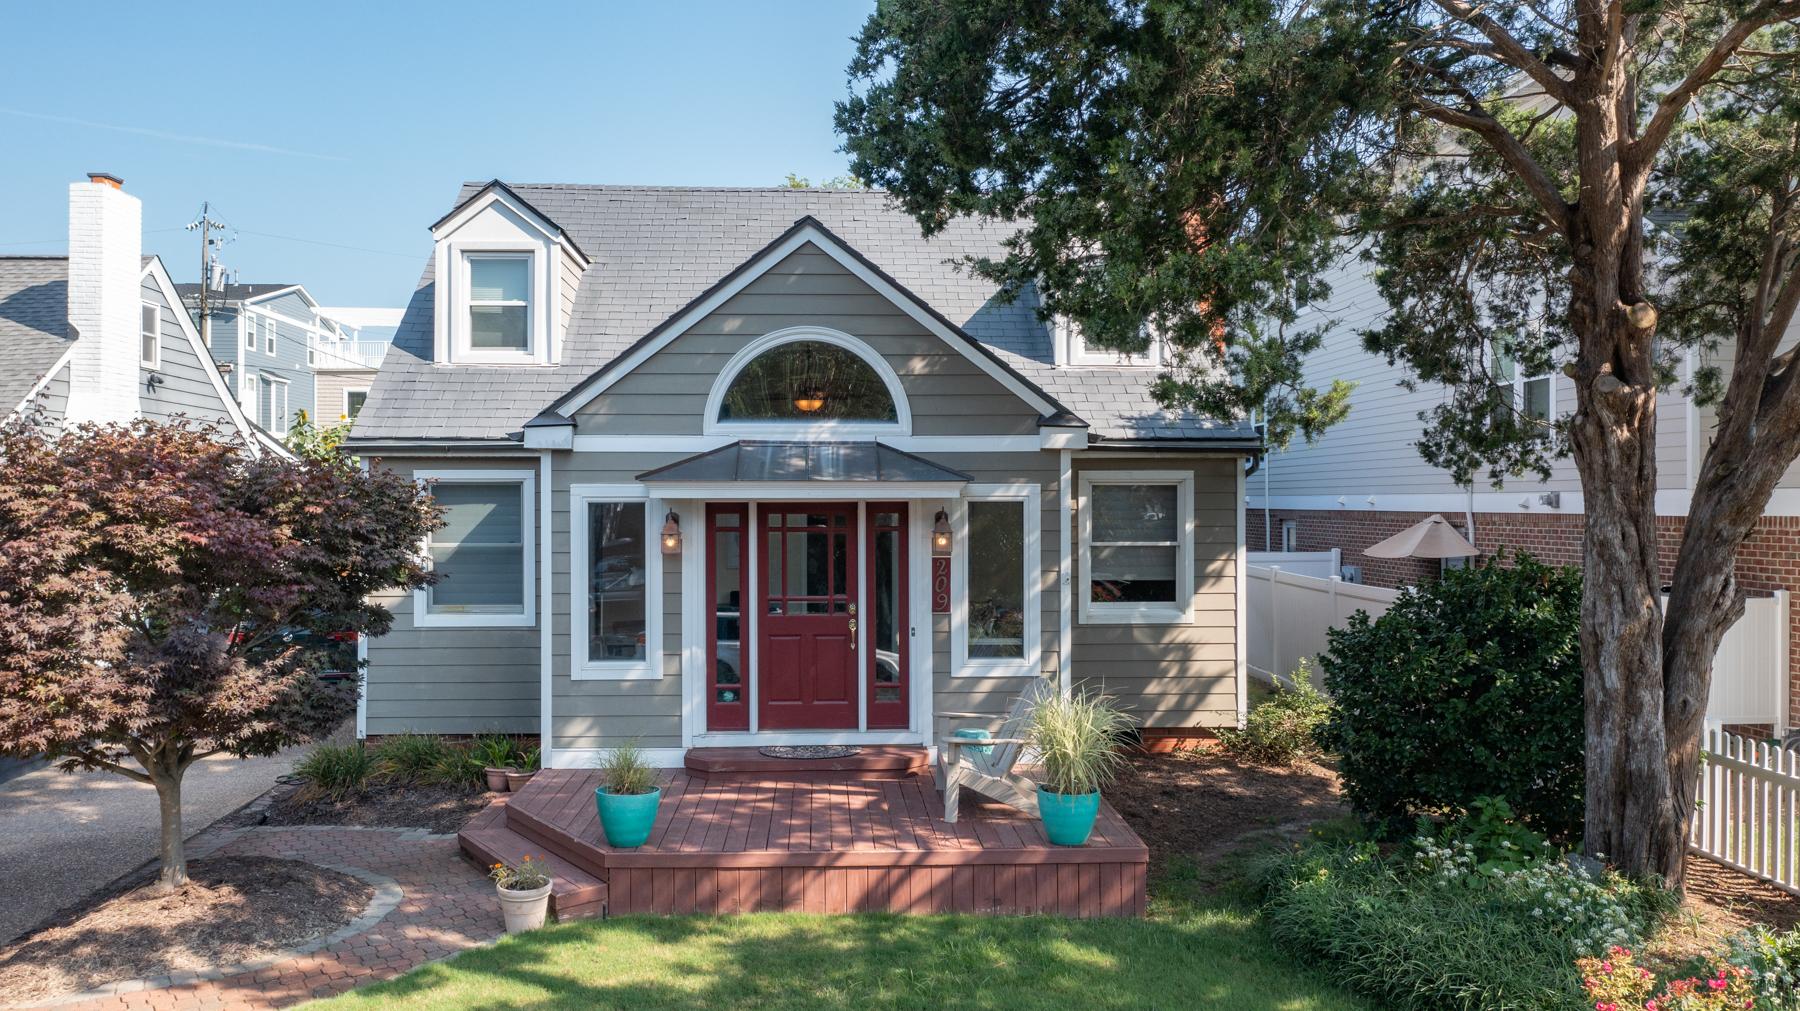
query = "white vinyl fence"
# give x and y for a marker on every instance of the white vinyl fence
(1748, 803)
(1324, 564)
(1287, 615)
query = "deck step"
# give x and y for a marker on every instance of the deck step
(575, 894)
(880, 762)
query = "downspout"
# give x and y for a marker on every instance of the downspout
(1469, 513)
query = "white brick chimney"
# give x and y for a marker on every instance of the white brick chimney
(105, 245)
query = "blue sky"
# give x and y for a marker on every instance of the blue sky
(353, 123)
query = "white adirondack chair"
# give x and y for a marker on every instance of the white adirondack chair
(991, 774)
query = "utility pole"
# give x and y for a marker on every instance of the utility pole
(205, 224)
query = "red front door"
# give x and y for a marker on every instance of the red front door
(806, 667)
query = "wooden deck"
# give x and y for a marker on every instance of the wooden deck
(812, 843)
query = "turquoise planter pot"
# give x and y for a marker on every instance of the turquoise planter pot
(1068, 818)
(626, 817)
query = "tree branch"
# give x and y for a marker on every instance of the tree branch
(1640, 152)
(1511, 150)
(1511, 49)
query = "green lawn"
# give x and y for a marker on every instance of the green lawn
(1195, 951)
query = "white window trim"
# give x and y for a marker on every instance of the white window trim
(1071, 349)
(312, 342)
(1181, 612)
(961, 664)
(153, 362)
(461, 350)
(581, 667)
(248, 322)
(345, 396)
(715, 400)
(527, 482)
(269, 334)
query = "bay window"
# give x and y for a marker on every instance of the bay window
(615, 589)
(1137, 547)
(482, 555)
(996, 582)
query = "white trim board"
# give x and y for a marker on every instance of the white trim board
(591, 758)
(546, 651)
(1524, 502)
(1181, 610)
(814, 234)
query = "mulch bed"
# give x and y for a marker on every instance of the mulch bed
(1199, 804)
(442, 809)
(237, 909)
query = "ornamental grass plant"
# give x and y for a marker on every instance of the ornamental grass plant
(626, 772)
(1077, 739)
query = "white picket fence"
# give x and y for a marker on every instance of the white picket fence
(1748, 806)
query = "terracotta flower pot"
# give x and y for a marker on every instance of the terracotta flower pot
(524, 910)
(515, 779)
(496, 778)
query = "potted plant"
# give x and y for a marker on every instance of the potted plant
(496, 754)
(524, 890)
(1077, 740)
(627, 797)
(528, 767)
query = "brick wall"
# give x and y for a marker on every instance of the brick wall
(1769, 560)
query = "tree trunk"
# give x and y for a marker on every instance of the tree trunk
(170, 851)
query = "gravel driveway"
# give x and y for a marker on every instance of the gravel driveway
(63, 835)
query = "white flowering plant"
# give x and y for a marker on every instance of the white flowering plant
(1774, 963)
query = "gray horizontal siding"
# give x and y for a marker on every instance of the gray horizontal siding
(453, 680)
(1181, 675)
(948, 393)
(184, 388)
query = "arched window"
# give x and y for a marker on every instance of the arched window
(808, 381)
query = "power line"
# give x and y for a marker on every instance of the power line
(65, 238)
(333, 245)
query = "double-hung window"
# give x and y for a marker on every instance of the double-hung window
(149, 335)
(249, 324)
(1075, 349)
(268, 336)
(482, 555)
(615, 583)
(274, 408)
(1137, 547)
(354, 401)
(1532, 396)
(499, 309)
(996, 582)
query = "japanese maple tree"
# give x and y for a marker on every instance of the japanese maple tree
(165, 597)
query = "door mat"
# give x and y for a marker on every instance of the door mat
(804, 751)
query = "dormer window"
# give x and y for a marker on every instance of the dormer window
(499, 302)
(1072, 348)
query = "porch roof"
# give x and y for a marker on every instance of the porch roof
(809, 469)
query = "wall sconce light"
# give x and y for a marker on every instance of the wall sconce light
(671, 534)
(940, 533)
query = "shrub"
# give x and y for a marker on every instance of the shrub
(411, 758)
(1468, 686)
(1077, 739)
(1774, 963)
(1615, 982)
(1283, 729)
(335, 771)
(1428, 927)
(495, 751)
(456, 767)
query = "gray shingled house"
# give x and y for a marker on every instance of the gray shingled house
(763, 466)
(100, 335)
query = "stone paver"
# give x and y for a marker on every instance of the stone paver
(444, 905)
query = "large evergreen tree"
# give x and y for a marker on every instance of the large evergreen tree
(1194, 169)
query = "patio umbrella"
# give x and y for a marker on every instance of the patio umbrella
(1432, 537)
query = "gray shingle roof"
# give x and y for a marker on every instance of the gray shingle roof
(34, 322)
(232, 292)
(653, 249)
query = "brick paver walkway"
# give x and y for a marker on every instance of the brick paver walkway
(445, 905)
